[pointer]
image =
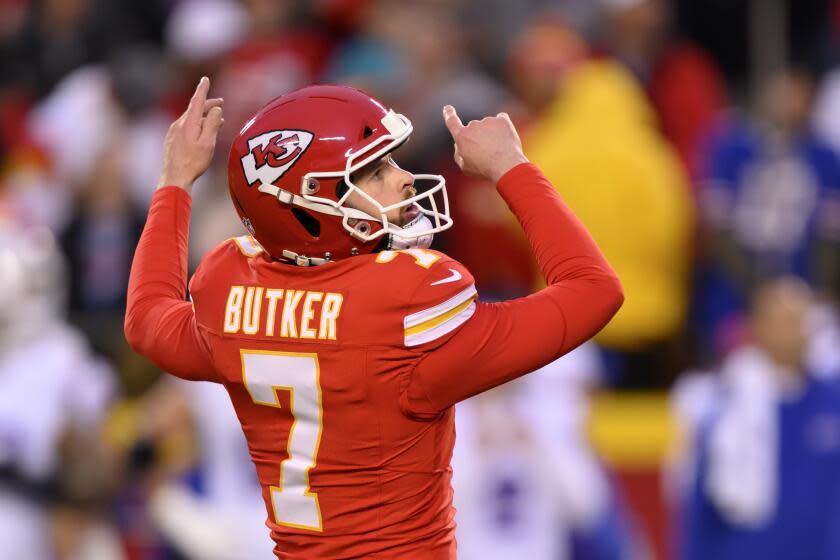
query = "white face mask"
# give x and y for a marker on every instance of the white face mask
(415, 237)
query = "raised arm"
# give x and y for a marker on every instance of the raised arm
(159, 322)
(505, 340)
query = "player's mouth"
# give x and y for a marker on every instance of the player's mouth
(410, 213)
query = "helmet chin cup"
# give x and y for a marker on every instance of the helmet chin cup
(414, 235)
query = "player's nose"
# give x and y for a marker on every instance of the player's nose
(406, 180)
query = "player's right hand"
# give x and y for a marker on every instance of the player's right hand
(191, 140)
(488, 148)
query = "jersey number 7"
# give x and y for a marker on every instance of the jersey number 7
(264, 373)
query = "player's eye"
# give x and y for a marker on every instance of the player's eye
(379, 171)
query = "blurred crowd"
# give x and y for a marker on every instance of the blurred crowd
(698, 141)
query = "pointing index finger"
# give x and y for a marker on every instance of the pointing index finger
(196, 108)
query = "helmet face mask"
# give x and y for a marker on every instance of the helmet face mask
(292, 155)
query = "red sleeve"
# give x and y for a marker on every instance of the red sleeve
(502, 341)
(159, 323)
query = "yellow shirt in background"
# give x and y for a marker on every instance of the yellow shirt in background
(598, 143)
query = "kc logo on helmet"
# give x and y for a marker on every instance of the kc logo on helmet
(273, 153)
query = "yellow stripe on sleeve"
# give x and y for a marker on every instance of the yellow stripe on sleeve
(435, 321)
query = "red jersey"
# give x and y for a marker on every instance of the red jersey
(344, 375)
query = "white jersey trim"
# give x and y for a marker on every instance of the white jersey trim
(429, 324)
(248, 245)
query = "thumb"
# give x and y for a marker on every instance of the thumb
(506, 117)
(453, 122)
(212, 123)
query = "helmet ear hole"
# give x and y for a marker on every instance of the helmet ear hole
(362, 228)
(368, 131)
(309, 223)
(341, 188)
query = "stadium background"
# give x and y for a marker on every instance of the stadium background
(667, 125)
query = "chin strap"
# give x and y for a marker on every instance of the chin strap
(396, 242)
(301, 260)
(292, 199)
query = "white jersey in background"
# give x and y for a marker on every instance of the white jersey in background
(47, 384)
(524, 475)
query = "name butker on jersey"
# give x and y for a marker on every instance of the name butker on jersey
(344, 376)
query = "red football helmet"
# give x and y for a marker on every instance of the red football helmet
(289, 176)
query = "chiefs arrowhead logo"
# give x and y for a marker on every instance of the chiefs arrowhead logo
(273, 153)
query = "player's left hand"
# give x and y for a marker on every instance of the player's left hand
(191, 140)
(488, 148)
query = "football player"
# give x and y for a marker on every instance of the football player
(342, 341)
